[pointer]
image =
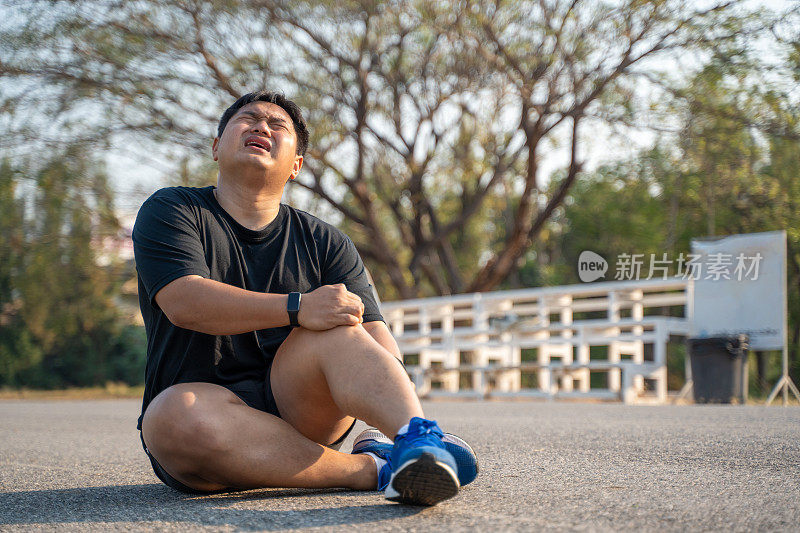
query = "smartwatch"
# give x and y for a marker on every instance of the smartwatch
(293, 307)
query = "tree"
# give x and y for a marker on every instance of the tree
(617, 209)
(59, 324)
(428, 119)
(17, 347)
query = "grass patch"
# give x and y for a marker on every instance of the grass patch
(109, 391)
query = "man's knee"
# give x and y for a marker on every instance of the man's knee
(327, 341)
(183, 421)
(339, 332)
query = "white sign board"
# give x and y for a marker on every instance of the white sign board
(740, 287)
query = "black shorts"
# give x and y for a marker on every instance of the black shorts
(258, 395)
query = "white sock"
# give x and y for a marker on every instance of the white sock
(378, 461)
(403, 430)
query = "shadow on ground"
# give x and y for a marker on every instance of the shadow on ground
(278, 508)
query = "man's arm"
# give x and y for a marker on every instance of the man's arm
(208, 306)
(380, 332)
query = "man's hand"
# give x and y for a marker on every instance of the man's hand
(330, 306)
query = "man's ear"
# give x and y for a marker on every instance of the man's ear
(298, 164)
(214, 146)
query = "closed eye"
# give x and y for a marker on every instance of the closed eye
(274, 122)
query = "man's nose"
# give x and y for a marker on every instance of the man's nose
(261, 127)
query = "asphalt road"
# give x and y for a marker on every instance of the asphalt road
(545, 466)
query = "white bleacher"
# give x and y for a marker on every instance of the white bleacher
(473, 344)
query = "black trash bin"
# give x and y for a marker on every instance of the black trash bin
(719, 368)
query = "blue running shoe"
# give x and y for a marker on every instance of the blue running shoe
(423, 471)
(372, 440)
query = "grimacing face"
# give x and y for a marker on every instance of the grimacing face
(260, 137)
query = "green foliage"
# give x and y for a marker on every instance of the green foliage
(618, 209)
(59, 326)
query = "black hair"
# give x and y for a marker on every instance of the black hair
(274, 98)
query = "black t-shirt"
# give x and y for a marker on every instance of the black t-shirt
(181, 231)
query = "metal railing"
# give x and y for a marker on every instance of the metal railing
(545, 342)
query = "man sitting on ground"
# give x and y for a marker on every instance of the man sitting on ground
(265, 343)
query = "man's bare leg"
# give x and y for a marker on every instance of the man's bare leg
(321, 377)
(205, 437)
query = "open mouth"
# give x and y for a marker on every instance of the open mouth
(257, 142)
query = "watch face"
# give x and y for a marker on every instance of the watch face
(294, 302)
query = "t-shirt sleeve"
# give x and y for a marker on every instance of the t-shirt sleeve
(344, 265)
(167, 243)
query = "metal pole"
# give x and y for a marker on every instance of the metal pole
(785, 373)
(785, 354)
(785, 383)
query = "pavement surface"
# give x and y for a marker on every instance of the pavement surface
(78, 465)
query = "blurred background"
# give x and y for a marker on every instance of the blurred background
(464, 145)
